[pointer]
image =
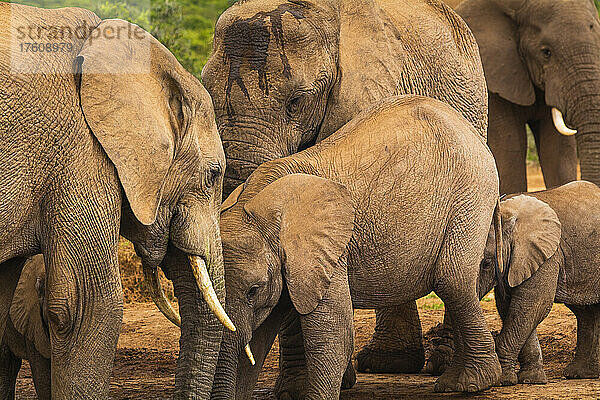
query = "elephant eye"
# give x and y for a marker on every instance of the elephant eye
(294, 104)
(213, 175)
(546, 53)
(252, 292)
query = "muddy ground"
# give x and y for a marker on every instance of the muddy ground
(146, 358)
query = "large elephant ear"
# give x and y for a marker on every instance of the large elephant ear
(495, 29)
(123, 97)
(534, 234)
(26, 308)
(315, 219)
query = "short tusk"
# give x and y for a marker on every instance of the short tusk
(206, 287)
(559, 123)
(157, 294)
(249, 354)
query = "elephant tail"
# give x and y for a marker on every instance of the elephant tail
(498, 261)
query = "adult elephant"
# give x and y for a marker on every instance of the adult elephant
(284, 75)
(541, 61)
(101, 134)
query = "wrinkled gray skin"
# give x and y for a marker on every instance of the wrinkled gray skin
(304, 236)
(551, 254)
(286, 74)
(546, 264)
(86, 157)
(539, 54)
(26, 334)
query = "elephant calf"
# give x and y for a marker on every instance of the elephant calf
(544, 263)
(395, 204)
(26, 335)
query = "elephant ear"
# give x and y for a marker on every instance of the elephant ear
(534, 232)
(122, 92)
(364, 59)
(495, 29)
(232, 199)
(315, 219)
(26, 307)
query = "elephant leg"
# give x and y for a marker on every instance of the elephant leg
(397, 343)
(557, 153)
(291, 382)
(531, 362)
(443, 347)
(521, 315)
(329, 339)
(475, 365)
(10, 365)
(79, 239)
(40, 371)
(507, 138)
(586, 361)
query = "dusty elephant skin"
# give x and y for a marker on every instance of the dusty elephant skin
(328, 229)
(551, 239)
(88, 153)
(539, 55)
(551, 255)
(286, 74)
(26, 334)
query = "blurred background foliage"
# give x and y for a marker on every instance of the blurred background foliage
(184, 26)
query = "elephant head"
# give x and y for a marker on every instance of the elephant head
(28, 313)
(155, 122)
(531, 233)
(270, 76)
(549, 51)
(281, 244)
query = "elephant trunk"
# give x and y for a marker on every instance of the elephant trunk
(201, 329)
(583, 112)
(225, 382)
(588, 149)
(247, 144)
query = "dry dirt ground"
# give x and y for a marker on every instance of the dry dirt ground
(146, 358)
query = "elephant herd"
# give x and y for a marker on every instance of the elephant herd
(337, 155)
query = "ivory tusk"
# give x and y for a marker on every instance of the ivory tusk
(158, 296)
(559, 123)
(203, 280)
(249, 354)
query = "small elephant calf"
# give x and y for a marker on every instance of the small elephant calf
(26, 335)
(551, 242)
(395, 204)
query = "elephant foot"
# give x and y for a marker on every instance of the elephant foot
(406, 361)
(443, 350)
(509, 377)
(533, 375)
(290, 384)
(349, 378)
(482, 374)
(581, 370)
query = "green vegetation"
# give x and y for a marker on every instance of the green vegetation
(184, 26)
